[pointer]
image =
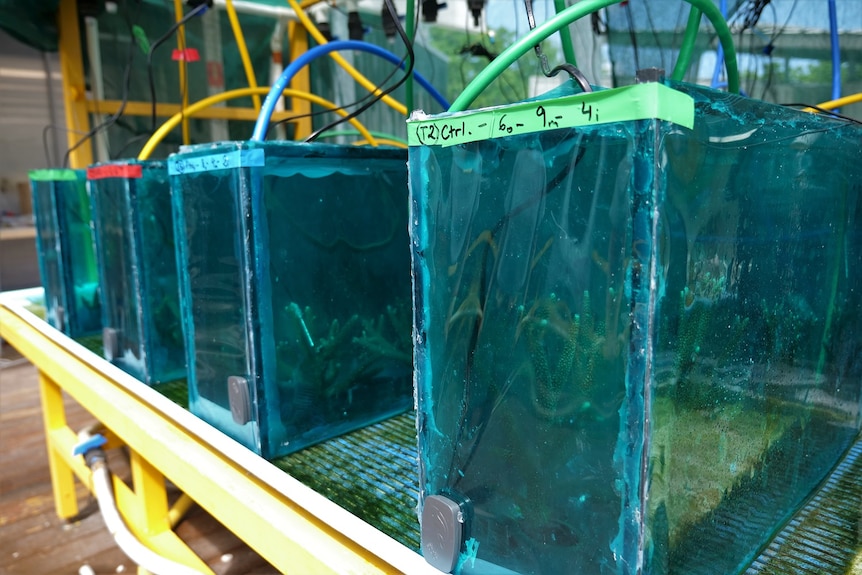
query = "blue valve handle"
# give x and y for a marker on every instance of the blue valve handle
(92, 442)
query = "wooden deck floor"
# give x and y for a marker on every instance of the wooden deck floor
(34, 541)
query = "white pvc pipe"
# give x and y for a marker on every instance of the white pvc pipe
(126, 541)
(94, 53)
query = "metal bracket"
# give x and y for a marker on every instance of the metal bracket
(110, 343)
(571, 70)
(442, 532)
(239, 398)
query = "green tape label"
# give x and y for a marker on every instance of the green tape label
(638, 102)
(59, 174)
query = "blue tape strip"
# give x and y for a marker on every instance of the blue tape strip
(181, 164)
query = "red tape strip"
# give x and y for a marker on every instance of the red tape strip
(189, 54)
(115, 171)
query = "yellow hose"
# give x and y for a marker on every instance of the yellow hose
(365, 82)
(309, 3)
(172, 122)
(851, 99)
(243, 51)
(381, 141)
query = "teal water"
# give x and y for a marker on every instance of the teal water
(67, 258)
(296, 278)
(637, 344)
(134, 234)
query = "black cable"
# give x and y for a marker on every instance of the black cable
(409, 57)
(49, 160)
(632, 35)
(127, 76)
(329, 111)
(199, 9)
(52, 115)
(129, 142)
(352, 104)
(344, 107)
(824, 111)
(52, 161)
(424, 44)
(655, 35)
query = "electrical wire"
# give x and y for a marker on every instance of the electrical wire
(358, 102)
(825, 109)
(381, 136)
(369, 95)
(291, 70)
(381, 142)
(363, 81)
(127, 76)
(570, 14)
(182, 67)
(52, 116)
(197, 10)
(846, 100)
(719, 52)
(411, 58)
(52, 160)
(655, 36)
(172, 122)
(243, 51)
(632, 36)
(570, 69)
(411, 19)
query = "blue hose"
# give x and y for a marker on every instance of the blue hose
(836, 52)
(284, 79)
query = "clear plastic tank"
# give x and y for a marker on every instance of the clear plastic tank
(639, 345)
(141, 326)
(295, 277)
(67, 258)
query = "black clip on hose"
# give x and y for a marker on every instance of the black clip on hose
(570, 69)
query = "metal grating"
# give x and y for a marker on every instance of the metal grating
(823, 537)
(371, 472)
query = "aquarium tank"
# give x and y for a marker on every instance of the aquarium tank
(637, 327)
(295, 288)
(132, 220)
(67, 257)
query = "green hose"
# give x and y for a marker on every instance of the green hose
(566, 17)
(566, 35)
(687, 47)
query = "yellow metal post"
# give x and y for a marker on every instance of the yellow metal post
(181, 45)
(62, 476)
(297, 45)
(152, 499)
(295, 529)
(74, 86)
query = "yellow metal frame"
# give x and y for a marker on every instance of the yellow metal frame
(79, 107)
(74, 86)
(294, 528)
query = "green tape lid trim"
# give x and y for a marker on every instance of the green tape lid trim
(53, 175)
(629, 103)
